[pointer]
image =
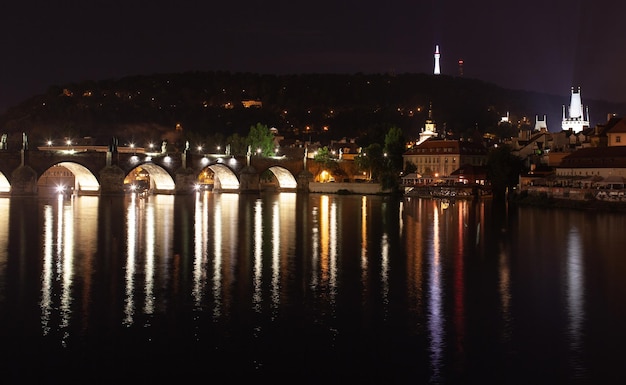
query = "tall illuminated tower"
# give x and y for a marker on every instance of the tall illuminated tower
(575, 119)
(437, 55)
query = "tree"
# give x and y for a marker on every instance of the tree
(261, 140)
(371, 160)
(409, 167)
(503, 169)
(236, 145)
(394, 148)
(325, 159)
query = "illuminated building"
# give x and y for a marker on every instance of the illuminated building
(436, 159)
(575, 120)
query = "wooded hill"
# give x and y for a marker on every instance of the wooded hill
(316, 107)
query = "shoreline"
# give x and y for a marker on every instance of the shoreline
(585, 205)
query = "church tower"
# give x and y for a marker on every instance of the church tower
(437, 55)
(430, 128)
(575, 120)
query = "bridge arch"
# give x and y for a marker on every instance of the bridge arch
(285, 178)
(224, 177)
(5, 186)
(159, 179)
(83, 180)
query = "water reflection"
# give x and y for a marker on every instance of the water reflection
(131, 249)
(575, 289)
(413, 230)
(201, 229)
(285, 279)
(148, 240)
(257, 297)
(5, 204)
(459, 275)
(364, 256)
(435, 303)
(69, 245)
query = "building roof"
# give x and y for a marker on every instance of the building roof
(470, 170)
(618, 128)
(598, 157)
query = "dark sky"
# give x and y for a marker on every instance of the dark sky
(538, 45)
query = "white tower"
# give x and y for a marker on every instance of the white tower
(437, 55)
(575, 119)
(541, 125)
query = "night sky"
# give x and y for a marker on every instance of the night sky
(537, 45)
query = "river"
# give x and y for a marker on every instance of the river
(308, 288)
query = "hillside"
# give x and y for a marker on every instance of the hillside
(207, 106)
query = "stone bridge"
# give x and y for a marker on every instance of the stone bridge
(102, 170)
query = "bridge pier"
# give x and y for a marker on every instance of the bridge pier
(112, 180)
(185, 180)
(303, 180)
(23, 181)
(249, 180)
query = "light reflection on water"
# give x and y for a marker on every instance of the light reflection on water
(575, 288)
(436, 293)
(435, 314)
(5, 204)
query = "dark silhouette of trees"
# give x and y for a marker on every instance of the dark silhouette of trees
(331, 106)
(503, 170)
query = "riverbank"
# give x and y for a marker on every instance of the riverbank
(348, 188)
(552, 202)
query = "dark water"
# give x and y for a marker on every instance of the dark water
(320, 289)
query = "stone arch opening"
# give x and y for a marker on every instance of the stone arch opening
(68, 177)
(5, 186)
(149, 177)
(223, 178)
(285, 178)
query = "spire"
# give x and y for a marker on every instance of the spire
(437, 55)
